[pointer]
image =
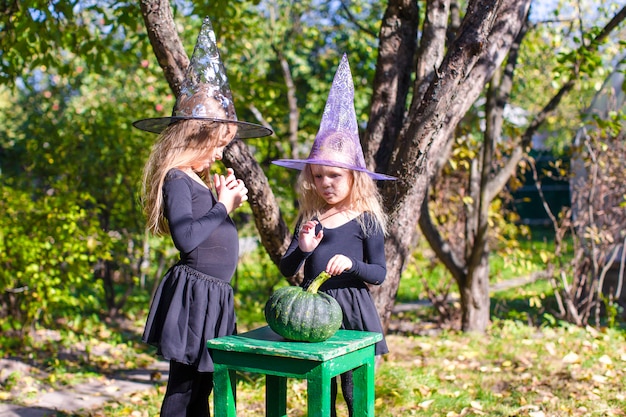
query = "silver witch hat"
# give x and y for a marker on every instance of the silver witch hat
(205, 93)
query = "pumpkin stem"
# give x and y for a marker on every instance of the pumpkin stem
(318, 281)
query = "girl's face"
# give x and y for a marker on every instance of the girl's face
(333, 184)
(214, 153)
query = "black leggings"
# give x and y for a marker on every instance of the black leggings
(347, 388)
(187, 392)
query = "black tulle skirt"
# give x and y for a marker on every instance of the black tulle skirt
(188, 309)
(359, 312)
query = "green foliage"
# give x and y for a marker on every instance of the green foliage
(555, 47)
(71, 165)
(67, 145)
(49, 247)
(50, 35)
(68, 142)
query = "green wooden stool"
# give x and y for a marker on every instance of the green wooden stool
(263, 351)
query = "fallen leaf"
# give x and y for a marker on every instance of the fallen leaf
(476, 405)
(571, 358)
(425, 404)
(599, 379)
(111, 389)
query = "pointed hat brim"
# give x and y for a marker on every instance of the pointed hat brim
(301, 164)
(245, 130)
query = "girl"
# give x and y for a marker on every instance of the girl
(341, 225)
(194, 301)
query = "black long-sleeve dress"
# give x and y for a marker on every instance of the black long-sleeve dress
(194, 301)
(349, 289)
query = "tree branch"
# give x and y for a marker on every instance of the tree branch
(442, 249)
(165, 41)
(292, 102)
(356, 22)
(392, 81)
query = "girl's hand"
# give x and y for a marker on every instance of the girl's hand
(231, 191)
(338, 264)
(308, 240)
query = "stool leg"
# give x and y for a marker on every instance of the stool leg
(318, 393)
(224, 392)
(275, 396)
(364, 391)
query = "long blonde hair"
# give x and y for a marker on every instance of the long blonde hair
(364, 197)
(180, 145)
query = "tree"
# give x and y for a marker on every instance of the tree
(426, 77)
(467, 258)
(409, 143)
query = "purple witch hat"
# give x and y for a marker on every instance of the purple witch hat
(337, 141)
(205, 93)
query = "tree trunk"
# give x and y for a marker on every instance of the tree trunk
(475, 302)
(274, 232)
(392, 81)
(486, 34)
(166, 44)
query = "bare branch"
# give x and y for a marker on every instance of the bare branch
(356, 22)
(441, 247)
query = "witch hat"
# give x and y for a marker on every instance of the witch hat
(205, 93)
(337, 141)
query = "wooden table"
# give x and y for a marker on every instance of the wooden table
(263, 351)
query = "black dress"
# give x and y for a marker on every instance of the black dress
(194, 301)
(349, 289)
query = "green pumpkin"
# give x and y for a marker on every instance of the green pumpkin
(304, 315)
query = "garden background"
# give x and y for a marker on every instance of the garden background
(502, 121)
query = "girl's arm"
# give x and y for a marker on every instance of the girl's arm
(293, 258)
(373, 269)
(186, 232)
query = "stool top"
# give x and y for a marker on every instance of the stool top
(265, 341)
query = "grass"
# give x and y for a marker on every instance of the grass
(527, 364)
(513, 370)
